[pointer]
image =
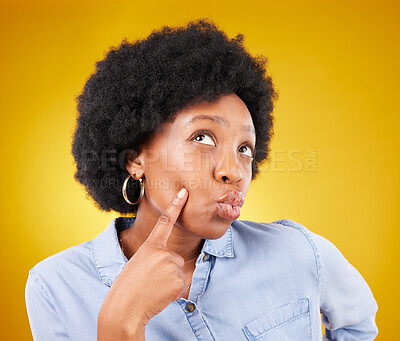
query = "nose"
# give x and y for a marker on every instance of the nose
(228, 170)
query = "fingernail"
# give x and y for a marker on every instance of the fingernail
(182, 193)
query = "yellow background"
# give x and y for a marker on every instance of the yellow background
(335, 65)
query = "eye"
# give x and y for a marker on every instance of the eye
(200, 137)
(248, 150)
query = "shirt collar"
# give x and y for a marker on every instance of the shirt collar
(110, 260)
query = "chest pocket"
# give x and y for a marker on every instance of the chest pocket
(290, 322)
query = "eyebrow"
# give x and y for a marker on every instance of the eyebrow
(216, 119)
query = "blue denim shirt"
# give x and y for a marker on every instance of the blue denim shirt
(259, 281)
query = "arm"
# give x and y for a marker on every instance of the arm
(347, 304)
(43, 319)
(109, 329)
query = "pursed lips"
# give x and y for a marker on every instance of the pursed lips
(233, 197)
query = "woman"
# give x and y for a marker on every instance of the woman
(171, 131)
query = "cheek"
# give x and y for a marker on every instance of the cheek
(193, 162)
(179, 160)
(201, 162)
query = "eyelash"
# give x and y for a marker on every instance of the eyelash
(203, 131)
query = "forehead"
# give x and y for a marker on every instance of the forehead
(229, 112)
(216, 119)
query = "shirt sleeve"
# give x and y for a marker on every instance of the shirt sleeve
(347, 304)
(43, 319)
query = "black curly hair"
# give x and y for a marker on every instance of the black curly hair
(140, 85)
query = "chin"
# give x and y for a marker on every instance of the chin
(220, 226)
(205, 226)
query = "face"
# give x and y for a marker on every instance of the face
(207, 149)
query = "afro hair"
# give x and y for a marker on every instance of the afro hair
(138, 86)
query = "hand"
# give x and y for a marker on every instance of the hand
(152, 278)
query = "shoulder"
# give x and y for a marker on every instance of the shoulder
(296, 240)
(284, 229)
(77, 254)
(68, 264)
(285, 236)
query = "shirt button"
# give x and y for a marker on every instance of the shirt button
(206, 256)
(190, 307)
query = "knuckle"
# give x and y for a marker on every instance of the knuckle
(180, 273)
(173, 253)
(174, 203)
(164, 254)
(181, 261)
(165, 218)
(177, 257)
(180, 283)
(176, 270)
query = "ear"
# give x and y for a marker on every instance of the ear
(134, 164)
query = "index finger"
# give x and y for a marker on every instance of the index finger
(161, 231)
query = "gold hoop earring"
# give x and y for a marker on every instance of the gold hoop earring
(124, 190)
